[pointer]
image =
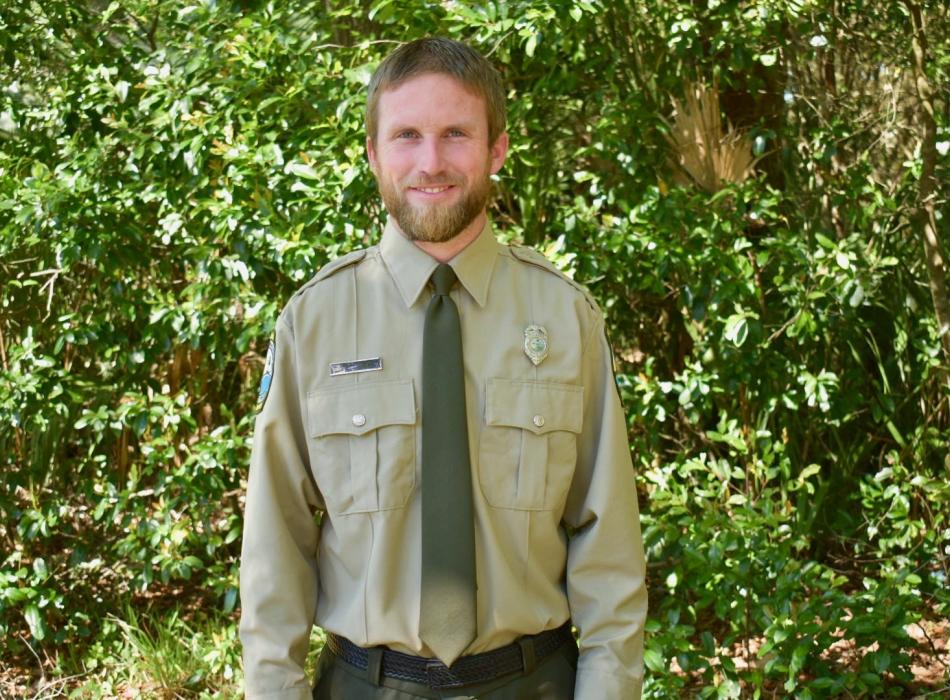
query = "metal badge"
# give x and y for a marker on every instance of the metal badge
(370, 364)
(536, 343)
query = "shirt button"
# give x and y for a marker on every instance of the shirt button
(539, 421)
(359, 420)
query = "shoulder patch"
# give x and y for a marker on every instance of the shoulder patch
(533, 257)
(268, 375)
(333, 266)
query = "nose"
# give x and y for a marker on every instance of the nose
(431, 156)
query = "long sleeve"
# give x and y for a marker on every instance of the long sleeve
(606, 584)
(278, 557)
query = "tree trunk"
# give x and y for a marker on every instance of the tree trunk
(926, 208)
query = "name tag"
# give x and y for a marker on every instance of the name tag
(371, 364)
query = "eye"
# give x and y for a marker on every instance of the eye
(455, 133)
(407, 134)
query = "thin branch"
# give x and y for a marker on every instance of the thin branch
(39, 661)
(498, 43)
(3, 351)
(362, 44)
(51, 283)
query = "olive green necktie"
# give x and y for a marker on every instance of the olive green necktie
(447, 617)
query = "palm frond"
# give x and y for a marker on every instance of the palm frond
(703, 152)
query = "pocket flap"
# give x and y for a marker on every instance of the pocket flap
(356, 409)
(536, 406)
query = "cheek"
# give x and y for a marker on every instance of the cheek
(396, 165)
(472, 163)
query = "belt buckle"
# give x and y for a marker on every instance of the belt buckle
(438, 675)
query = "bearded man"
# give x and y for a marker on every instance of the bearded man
(440, 476)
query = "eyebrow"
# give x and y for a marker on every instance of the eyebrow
(461, 126)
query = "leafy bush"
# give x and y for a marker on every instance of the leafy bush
(171, 172)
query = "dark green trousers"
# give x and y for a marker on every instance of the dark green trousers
(551, 679)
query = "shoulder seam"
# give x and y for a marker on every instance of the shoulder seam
(531, 256)
(332, 267)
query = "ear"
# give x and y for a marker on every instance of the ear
(498, 151)
(371, 155)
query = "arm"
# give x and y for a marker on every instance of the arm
(278, 555)
(606, 584)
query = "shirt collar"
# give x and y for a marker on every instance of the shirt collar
(411, 267)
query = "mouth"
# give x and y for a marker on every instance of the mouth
(432, 190)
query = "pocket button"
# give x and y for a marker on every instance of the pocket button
(359, 420)
(539, 421)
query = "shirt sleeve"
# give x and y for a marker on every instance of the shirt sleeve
(278, 553)
(606, 570)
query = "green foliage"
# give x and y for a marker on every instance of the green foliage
(171, 172)
(163, 656)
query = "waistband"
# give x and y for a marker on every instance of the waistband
(475, 668)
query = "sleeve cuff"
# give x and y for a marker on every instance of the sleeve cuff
(288, 694)
(597, 685)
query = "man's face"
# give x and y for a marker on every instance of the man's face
(432, 158)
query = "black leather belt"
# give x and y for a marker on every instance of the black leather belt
(477, 668)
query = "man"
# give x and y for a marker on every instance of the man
(447, 405)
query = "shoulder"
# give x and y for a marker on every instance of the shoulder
(309, 295)
(528, 256)
(332, 268)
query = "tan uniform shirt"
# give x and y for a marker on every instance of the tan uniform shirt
(557, 531)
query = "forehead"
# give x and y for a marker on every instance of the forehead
(431, 99)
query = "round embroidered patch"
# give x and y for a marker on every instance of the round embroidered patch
(268, 376)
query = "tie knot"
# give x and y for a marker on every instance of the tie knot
(443, 278)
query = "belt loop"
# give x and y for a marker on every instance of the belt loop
(528, 658)
(374, 665)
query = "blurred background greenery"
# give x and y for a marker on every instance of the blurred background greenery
(751, 188)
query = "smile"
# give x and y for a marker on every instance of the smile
(432, 190)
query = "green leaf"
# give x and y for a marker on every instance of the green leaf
(301, 170)
(35, 621)
(377, 8)
(825, 242)
(798, 658)
(531, 44)
(737, 329)
(653, 660)
(39, 567)
(809, 472)
(882, 661)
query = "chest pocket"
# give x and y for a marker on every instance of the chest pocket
(528, 445)
(362, 441)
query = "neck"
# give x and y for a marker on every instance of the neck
(446, 250)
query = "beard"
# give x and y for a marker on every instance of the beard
(435, 223)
